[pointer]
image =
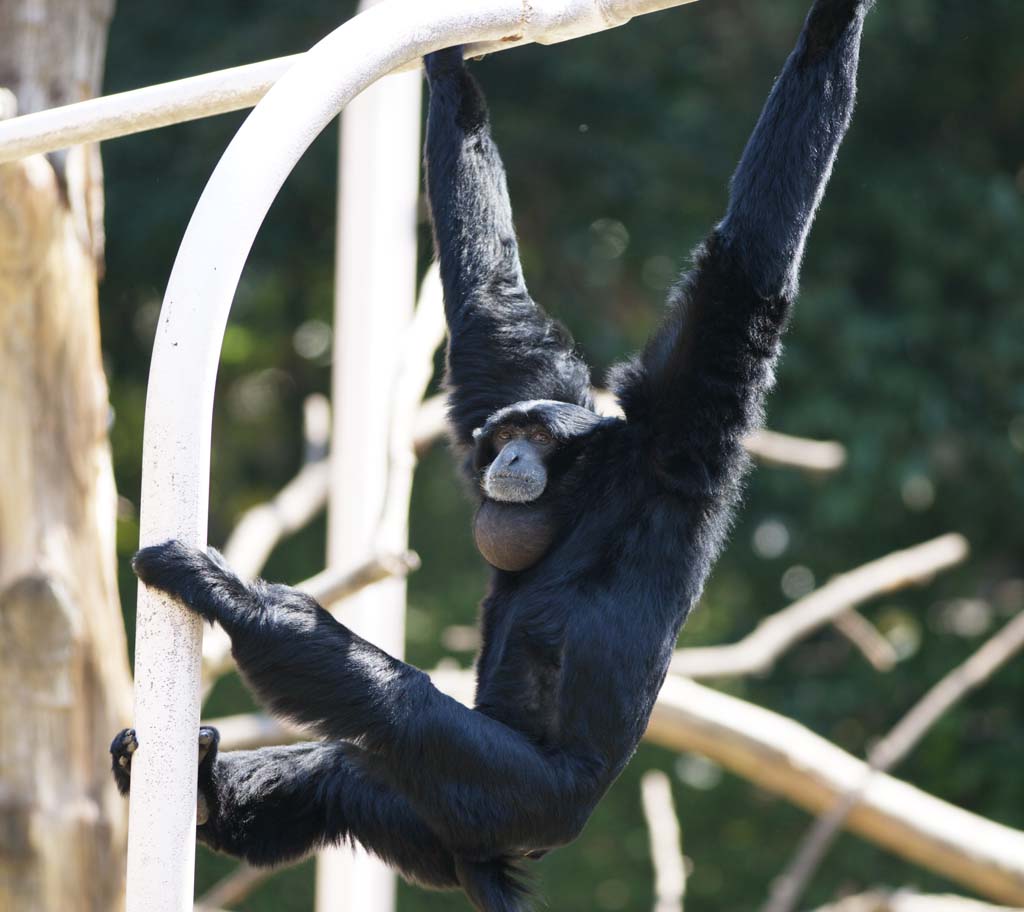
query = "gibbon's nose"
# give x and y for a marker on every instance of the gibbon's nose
(513, 458)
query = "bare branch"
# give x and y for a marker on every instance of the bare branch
(261, 527)
(791, 884)
(769, 447)
(879, 652)
(757, 652)
(909, 901)
(234, 888)
(431, 423)
(666, 845)
(773, 448)
(421, 340)
(330, 586)
(786, 758)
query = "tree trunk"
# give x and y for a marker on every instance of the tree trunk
(64, 679)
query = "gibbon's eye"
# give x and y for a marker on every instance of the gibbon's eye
(504, 435)
(541, 437)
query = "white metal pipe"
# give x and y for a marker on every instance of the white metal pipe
(223, 91)
(139, 110)
(179, 404)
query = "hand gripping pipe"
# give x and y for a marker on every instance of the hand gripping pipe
(179, 404)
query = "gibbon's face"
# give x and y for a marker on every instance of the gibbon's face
(518, 473)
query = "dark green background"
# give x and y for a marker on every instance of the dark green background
(907, 346)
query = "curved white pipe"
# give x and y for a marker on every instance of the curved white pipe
(222, 91)
(179, 405)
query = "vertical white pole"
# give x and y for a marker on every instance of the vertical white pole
(168, 650)
(375, 292)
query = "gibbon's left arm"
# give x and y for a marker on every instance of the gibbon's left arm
(700, 383)
(502, 347)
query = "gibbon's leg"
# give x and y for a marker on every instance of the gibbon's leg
(277, 804)
(482, 786)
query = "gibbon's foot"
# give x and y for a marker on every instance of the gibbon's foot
(121, 749)
(209, 738)
(126, 743)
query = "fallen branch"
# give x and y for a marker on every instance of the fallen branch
(757, 652)
(786, 758)
(666, 845)
(999, 649)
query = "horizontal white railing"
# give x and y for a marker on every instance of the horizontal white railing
(223, 91)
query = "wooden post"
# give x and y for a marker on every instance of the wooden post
(64, 680)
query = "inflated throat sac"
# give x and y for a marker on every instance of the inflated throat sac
(511, 536)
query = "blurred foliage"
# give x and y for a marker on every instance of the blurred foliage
(907, 346)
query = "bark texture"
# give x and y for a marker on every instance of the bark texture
(64, 678)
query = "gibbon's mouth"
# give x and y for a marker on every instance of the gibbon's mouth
(510, 488)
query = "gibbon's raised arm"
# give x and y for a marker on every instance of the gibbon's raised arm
(502, 347)
(701, 380)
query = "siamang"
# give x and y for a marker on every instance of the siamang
(601, 531)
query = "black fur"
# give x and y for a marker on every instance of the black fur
(576, 647)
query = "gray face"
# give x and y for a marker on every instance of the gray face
(518, 473)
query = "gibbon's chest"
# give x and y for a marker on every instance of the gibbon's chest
(631, 564)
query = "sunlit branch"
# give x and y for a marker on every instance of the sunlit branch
(999, 649)
(758, 651)
(665, 842)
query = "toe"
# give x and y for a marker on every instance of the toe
(125, 743)
(208, 738)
